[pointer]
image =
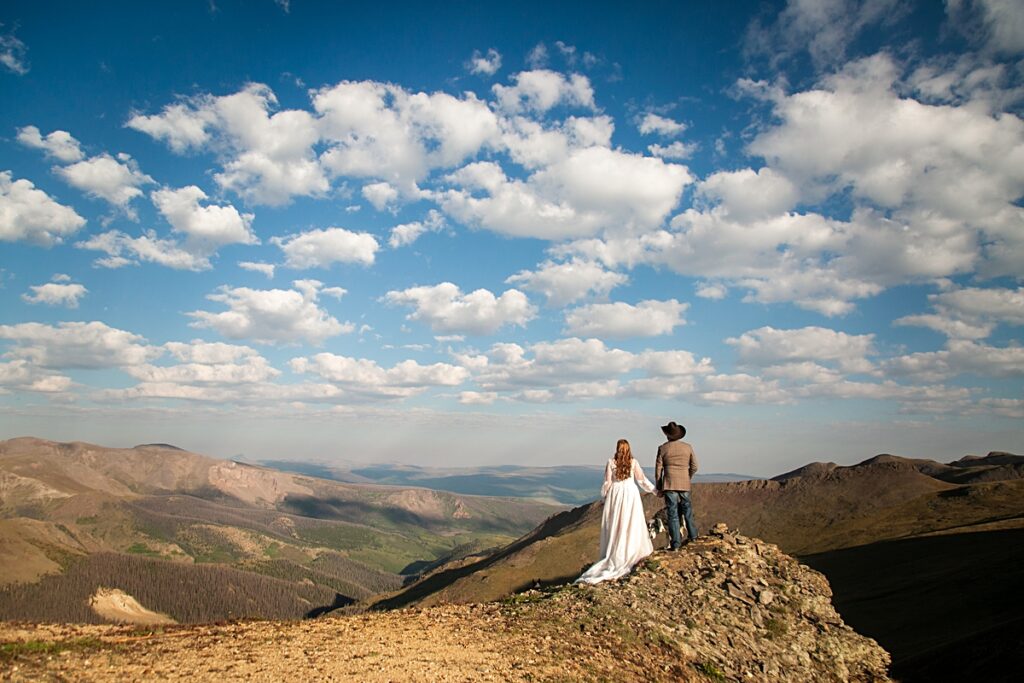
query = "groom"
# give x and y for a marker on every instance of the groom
(675, 465)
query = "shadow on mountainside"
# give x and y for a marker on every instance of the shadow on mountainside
(947, 607)
(339, 602)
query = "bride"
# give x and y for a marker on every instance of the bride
(624, 538)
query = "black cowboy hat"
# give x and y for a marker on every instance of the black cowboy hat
(673, 431)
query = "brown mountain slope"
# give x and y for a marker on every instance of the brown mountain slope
(62, 502)
(40, 470)
(801, 511)
(728, 608)
(552, 553)
(815, 509)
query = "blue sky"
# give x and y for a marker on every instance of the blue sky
(466, 235)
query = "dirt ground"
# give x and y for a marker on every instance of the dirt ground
(449, 644)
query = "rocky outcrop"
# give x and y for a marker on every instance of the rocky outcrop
(726, 607)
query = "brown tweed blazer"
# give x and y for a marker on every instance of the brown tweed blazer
(675, 465)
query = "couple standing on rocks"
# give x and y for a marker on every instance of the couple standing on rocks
(624, 537)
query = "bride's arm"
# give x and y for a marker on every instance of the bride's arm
(608, 470)
(641, 479)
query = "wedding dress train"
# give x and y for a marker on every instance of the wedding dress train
(624, 537)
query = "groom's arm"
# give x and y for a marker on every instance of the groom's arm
(658, 466)
(693, 463)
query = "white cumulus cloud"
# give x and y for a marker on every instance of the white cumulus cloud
(380, 195)
(267, 156)
(382, 131)
(206, 228)
(365, 376)
(405, 234)
(645, 319)
(27, 213)
(258, 267)
(541, 89)
(959, 357)
(653, 124)
(77, 345)
(593, 188)
(271, 316)
(677, 150)
(768, 346)
(747, 195)
(115, 180)
(323, 248)
(484, 64)
(59, 144)
(568, 282)
(970, 312)
(56, 294)
(122, 249)
(447, 310)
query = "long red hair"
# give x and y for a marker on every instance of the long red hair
(623, 460)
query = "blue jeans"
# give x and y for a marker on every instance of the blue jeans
(677, 504)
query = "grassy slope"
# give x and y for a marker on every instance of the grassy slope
(553, 553)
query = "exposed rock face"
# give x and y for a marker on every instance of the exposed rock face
(726, 607)
(254, 484)
(18, 489)
(118, 606)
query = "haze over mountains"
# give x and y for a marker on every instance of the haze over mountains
(557, 484)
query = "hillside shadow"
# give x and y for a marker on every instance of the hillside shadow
(338, 509)
(339, 602)
(368, 514)
(926, 602)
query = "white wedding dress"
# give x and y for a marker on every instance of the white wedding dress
(624, 537)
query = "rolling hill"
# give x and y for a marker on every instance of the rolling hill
(76, 516)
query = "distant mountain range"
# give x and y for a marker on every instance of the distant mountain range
(558, 485)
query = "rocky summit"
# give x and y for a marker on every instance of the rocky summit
(726, 607)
